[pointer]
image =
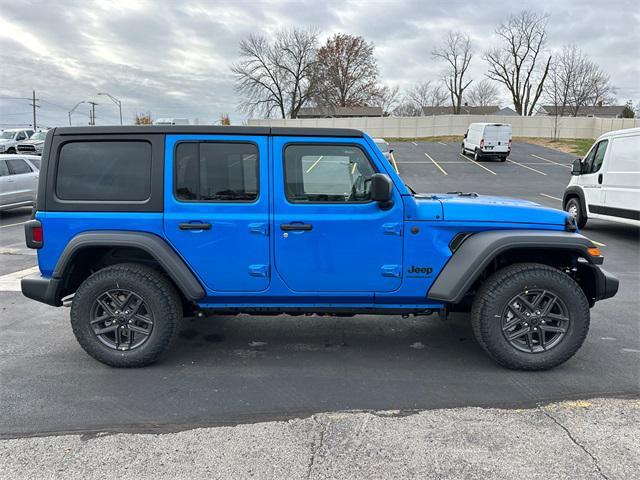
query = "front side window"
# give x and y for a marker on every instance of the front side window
(17, 166)
(598, 158)
(327, 174)
(104, 171)
(216, 172)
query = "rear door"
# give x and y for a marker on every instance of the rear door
(329, 236)
(217, 208)
(621, 183)
(25, 180)
(7, 185)
(592, 176)
(496, 138)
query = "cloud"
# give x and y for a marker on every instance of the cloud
(173, 58)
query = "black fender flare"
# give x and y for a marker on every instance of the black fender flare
(478, 250)
(575, 191)
(155, 246)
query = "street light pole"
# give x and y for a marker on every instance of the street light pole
(116, 101)
(74, 109)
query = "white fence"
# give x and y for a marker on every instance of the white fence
(440, 125)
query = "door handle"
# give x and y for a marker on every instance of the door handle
(290, 227)
(600, 179)
(195, 226)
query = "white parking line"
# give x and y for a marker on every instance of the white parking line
(551, 197)
(314, 164)
(13, 224)
(551, 161)
(436, 164)
(476, 163)
(442, 144)
(11, 281)
(393, 160)
(524, 166)
(415, 143)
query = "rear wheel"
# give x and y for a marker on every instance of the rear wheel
(530, 316)
(476, 155)
(503, 158)
(126, 315)
(463, 151)
(573, 207)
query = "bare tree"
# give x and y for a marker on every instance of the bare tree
(276, 77)
(576, 82)
(483, 94)
(422, 94)
(224, 119)
(388, 99)
(346, 72)
(517, 63)
(456, 51)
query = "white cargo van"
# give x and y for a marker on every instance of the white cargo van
(606, 183)
(486, 140)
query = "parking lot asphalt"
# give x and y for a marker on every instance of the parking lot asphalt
(233, 370)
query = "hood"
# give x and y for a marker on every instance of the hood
(31, 142)
(5, 140)
(480, 208)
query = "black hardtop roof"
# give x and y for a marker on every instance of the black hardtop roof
(209, 130)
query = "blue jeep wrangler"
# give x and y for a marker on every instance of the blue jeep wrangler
(138, 226)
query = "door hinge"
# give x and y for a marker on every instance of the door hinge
(392, 228)
(259, 270)
(259, 227)
(390, 271)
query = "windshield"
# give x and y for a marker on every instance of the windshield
(38, 136)
(7, 135)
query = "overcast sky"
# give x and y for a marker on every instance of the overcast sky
(172, 58)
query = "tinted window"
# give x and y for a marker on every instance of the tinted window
(21, 136)
(216, 172)
(35, 162)
(327, 173)
(104, 171)
(4, 171)
(18, 166)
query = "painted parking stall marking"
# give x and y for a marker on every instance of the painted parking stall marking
(524, 166)
(436, 164)
(11, 281)
(476, 163)
(550, 161)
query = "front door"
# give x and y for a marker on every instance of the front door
(329, 236)
(593, 176)
(217, 208)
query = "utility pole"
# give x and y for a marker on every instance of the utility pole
(92, 113)
(34, 105)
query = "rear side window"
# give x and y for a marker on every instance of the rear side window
(104, 171)
(4, 171)
(216, 172)
(17, 166)
(35, 162)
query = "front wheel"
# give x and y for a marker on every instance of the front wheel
(530, 316)
(573, 207)
(463, 151)
(126, 315)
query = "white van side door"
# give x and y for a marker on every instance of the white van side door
(592, 176)
(621, 185)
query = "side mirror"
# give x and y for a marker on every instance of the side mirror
(465, 135)
(391, 150)
(381, 190)
(577, 167)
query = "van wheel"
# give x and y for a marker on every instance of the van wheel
(573, 207)
(530, 316)
(503, 159)
(463, 151)
(126, 315)
(476, 155)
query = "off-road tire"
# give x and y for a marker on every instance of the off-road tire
(581, 217)
(158, 294)
(491, 301)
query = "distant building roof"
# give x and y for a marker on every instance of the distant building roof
(606, 111)
(464, 110)
(506, 111)
(339, 112)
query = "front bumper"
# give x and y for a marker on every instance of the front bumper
(41, 289)
(606, 285)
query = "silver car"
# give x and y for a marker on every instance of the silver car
(18, 180)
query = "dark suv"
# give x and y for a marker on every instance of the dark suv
(136, 226)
